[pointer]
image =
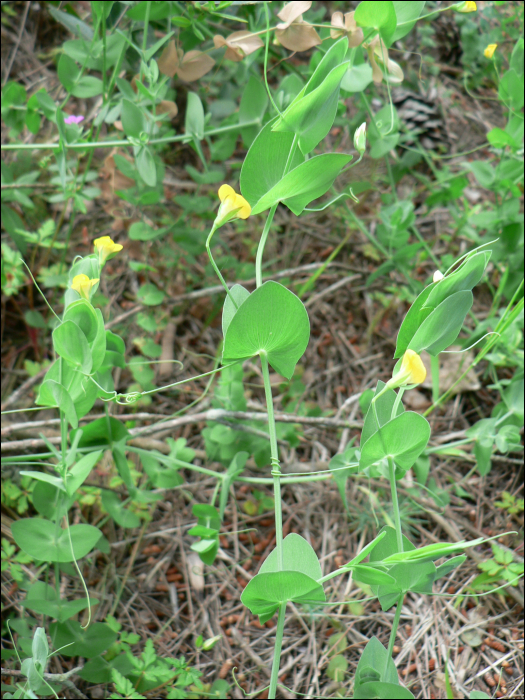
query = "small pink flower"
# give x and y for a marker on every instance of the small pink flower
(72, 119)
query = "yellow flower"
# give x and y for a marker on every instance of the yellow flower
(467, 7)
(233, 206)
(411, 372)
(106, 248)
(83, 285)
(489, 51)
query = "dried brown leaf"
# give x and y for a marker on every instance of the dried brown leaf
(382, 64)
(239, 44)
(168, 350)
(194, 65)
(291, 12)
(169, 60)
(299, 36)
(167, 107)
(348, 26)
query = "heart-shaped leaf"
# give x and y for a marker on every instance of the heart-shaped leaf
(404, 438)
(298, 555)
(271, 320)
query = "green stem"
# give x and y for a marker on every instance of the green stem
(262, 244)
(277, 651)
(116, 143)
(393, 632)
(395, 503)
(217, 271)
(274, 449)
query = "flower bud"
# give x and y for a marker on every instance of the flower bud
(438, 276)
(489, 51)
(360, 139)
(233, 206)
(83, 285)
(465, 7)
(106, 248)
(411, 372)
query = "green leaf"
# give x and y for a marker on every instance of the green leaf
(72, 23)
(271, 320)
(383, 409)
(254, 102)
(337, 667)
(42, 599)
(384, 145)
(71, 344)
(499, 138)
(87, 643)
(441, 328)
(411, 322)
(298, 555)
(239, 294)
(266, 162)
(68, 72)
(311, 116)
(103, 432)
(194, 123)
(81, 470)
(377, 15)
(511, 89)
(375, 664)
(303, 184)
(133, 119)
(35, 319)
(145, 163)
(357, 78)
(331, 59)
(370, 576)
(54, 394)
(122, 516)
(84, 315)
(55, 481)
(465, 278)
(266, 591)
(404, 438)
(150, 295)
(407, 13)
(87, 86)
(44, 541)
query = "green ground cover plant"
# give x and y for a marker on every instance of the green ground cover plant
(125, 56)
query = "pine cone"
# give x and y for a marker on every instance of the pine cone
(421, 118)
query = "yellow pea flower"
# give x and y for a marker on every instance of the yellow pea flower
(106, 248)
(467, 7)
(83, 285)
(233, 206)
(489, 51)
(412, 371)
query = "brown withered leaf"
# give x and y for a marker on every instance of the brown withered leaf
(111, 179)
(299, 36)
(291, 12)
(293, 33)
(194, 65)
(169, 60)
(348, 26)
(167, 107)
(239, 44)
(166, 366)
(377, 51)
